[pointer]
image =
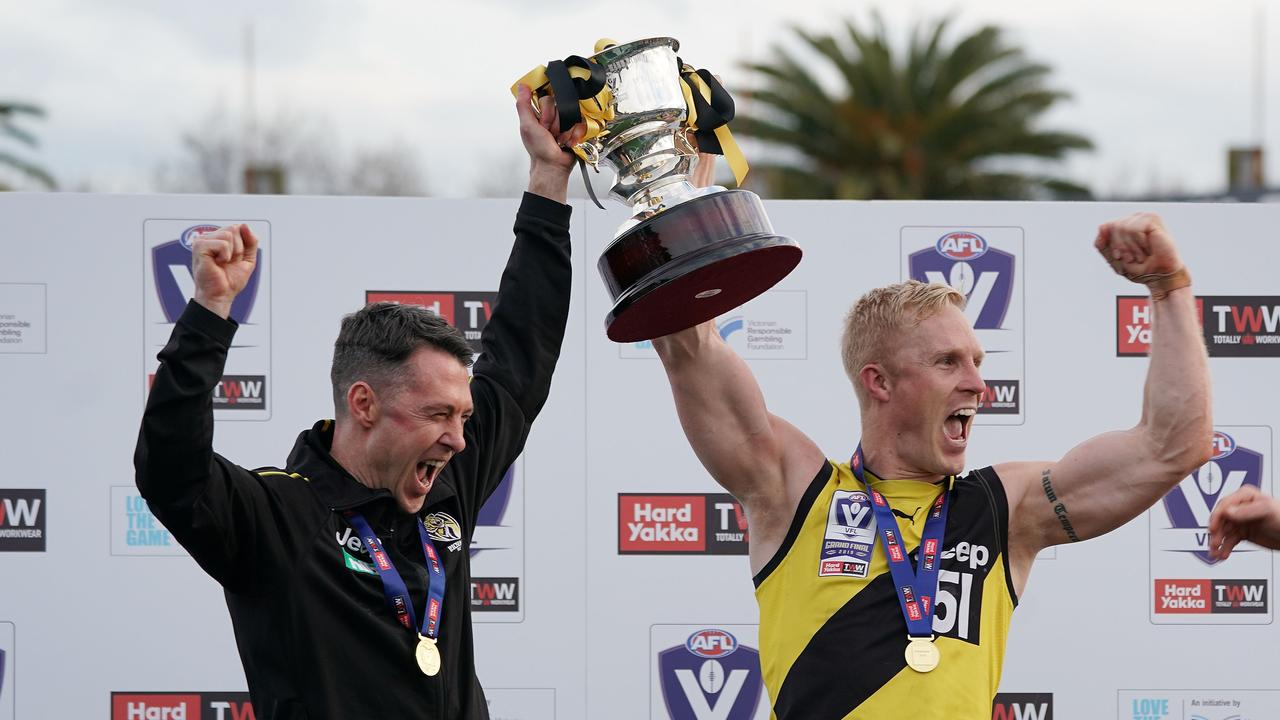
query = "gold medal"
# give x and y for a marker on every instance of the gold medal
(922, 654)
(428, 655)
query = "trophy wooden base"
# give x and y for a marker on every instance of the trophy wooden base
(689, 264)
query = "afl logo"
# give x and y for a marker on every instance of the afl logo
(1223, 445)
(442, 527)
(962, 246)
(189, 235)
(711, 643)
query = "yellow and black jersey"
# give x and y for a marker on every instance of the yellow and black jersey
(832, 634)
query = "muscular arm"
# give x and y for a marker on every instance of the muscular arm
(763, 460)
(1108, 480)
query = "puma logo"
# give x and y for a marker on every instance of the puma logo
(904, 516)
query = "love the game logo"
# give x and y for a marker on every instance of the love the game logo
(968, 263)
(171, 265)
(711, 676)
(1191, 502)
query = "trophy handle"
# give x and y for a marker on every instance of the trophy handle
(590, 153)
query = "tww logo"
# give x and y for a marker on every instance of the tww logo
(20, 512)
(1022, 706)
(240, 391)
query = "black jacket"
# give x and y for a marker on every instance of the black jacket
(314, 629)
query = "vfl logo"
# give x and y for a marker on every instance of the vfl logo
(710, 677)
(495, 508)
(1191, 502)
(968, 263)
(171, 266)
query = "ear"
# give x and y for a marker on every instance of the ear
(362, 404)
(876, 381)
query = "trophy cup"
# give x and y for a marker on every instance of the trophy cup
(686, 254)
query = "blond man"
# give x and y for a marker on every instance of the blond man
(886, 580)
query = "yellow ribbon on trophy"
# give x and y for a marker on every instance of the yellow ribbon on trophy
(581, 94)
(569, 80)
(717, 104)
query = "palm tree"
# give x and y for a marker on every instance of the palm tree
(944, 122)
(8, 112)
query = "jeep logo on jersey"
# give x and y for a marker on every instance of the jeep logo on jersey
(966, 262)
(710, 677)
(442, 527)
(1190, 503)
(171, 264)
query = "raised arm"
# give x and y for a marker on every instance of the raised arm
(521, 342)
(766, 462)
(217, 510)
(1108, 480)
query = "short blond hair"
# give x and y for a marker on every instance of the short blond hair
(883, 312)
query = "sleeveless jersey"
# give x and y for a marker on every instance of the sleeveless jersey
(832, 634)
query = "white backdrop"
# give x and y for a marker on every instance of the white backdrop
(99, 614)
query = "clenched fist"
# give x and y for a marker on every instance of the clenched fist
(1141, 249)
(1244, 515)
(222, 263)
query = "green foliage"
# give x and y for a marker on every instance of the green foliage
(941, 122)
(9, 131)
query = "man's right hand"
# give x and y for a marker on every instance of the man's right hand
(547, 144)
(1245, 514)
(222, 263)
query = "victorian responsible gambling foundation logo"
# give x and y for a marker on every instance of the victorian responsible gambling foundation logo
(242, 392)
(22, 520)
(985, 265)
(681, 524)
(1022, 706)
(1233, 325)
(772, 326)
(710, 676)
(1188, 585)
(181, 706)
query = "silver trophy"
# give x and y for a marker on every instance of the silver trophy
(686, 254)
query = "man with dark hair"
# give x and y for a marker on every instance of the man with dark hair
(346, 572)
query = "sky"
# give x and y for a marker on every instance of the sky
(1162, 87)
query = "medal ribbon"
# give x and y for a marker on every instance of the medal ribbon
(393, 585)
(916, 588)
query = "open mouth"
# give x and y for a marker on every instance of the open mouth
(427, 470)
(956, 426)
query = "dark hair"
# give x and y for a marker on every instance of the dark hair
(376, 340)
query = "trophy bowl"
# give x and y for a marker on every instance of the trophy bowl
(686, 254)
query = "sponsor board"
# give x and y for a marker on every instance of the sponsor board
(1187, 585)
(987, 264)
(7, 673)
(497, 545)
(773, 326)
(1197, 704)
(681, 524)
(1022, 706)
(1233, 325)
(181, 706)
(24, 318)
(22, 520)
(495, 594)
(706, 672)
(243, 393)
(467, 311)
(134, 530)
(521, 703)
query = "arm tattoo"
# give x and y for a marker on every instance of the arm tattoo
(1058, 508)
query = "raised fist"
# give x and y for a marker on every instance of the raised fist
(222, 263)
(1139, 248)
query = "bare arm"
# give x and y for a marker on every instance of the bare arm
(763, 460)
(1108, 480)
